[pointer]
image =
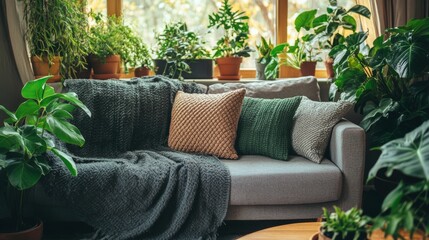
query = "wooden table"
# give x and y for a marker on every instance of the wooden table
(299, 231)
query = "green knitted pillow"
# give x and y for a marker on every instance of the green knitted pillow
(265, 126)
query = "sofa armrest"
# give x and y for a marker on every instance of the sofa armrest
(347, 151)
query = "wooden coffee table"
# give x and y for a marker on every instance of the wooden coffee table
(300, 231)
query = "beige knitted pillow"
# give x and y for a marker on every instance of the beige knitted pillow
(313, 123)
(206, 123)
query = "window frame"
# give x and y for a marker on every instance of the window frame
(114, 7)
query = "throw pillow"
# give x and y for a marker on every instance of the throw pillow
(206, 123)
(304, 86)
(265, 126)
(313, 123)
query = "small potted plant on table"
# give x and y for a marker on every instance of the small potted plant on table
(23, 144)
(141, 59)
(56, 44)
(344, 225)
(264, 50)
(232, 46)
(181, 53)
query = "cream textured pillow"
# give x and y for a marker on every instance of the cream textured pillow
(206, 123)
(313, 123)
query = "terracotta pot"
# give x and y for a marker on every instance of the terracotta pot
(308, 68)
(41, 67)
(108, 66)
(329, 65)
(34, 233)
(229, 68)
(141, 71)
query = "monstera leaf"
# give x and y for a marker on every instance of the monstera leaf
(409, 155)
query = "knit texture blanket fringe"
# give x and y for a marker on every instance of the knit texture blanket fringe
(129, 185)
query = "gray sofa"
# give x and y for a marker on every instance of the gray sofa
(268, 189)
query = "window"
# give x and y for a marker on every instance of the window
(149, 16)
(272, 19)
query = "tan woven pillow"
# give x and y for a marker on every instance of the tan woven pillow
(206, 123)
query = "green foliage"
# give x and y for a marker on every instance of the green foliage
(409, 155)
(405, 208)
(236, 32)
(58, 28)
(387, 81)
(305, 48)
(175, 45)
(330, 25)
(112, 37)
(23, 141)
(264, 50)
(341, 225)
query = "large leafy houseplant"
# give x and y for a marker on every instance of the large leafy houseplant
(344, 225)
(57, 35)
(406, 207)
(177, 47)
(389, 81)
(24, 138)
(232, 46)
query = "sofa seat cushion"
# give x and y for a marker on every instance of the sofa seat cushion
(259, 180)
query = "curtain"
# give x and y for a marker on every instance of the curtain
(10, 83)
(14, 18)
(394, 13)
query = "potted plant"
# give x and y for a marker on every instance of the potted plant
(264, 50)
(303, 54)
(140, 58)
(405, 208)
(24, 142)
(181, 53)
(331, 26)
(106, 40)
(232, 46)
(344, 225)
(56, 43)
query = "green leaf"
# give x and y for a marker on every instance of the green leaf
(34, 89)
(23, 176)
(409, 155)
(361, 10)
(305, 20)
(384, 108)
(409, 58)
(32, 141)
(278, 49)
(27, 108)
(349, 22)
(8, 113)
(68, 161)
(320, 20)
(10, 139)
(64, 130)
(71, 97)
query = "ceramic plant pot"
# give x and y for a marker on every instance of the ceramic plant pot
(33, 233)
(200, 68)
(308, 68)
(41, 67)
(329, 65)
(141, 71)
(229, 68)
(260, 71)
(105, 69)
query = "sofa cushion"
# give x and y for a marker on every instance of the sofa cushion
(259, 180)
(304, 86)
(312, 127)
(206, 123)
(265, 126)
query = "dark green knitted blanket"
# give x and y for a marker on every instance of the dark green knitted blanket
(129, 186)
